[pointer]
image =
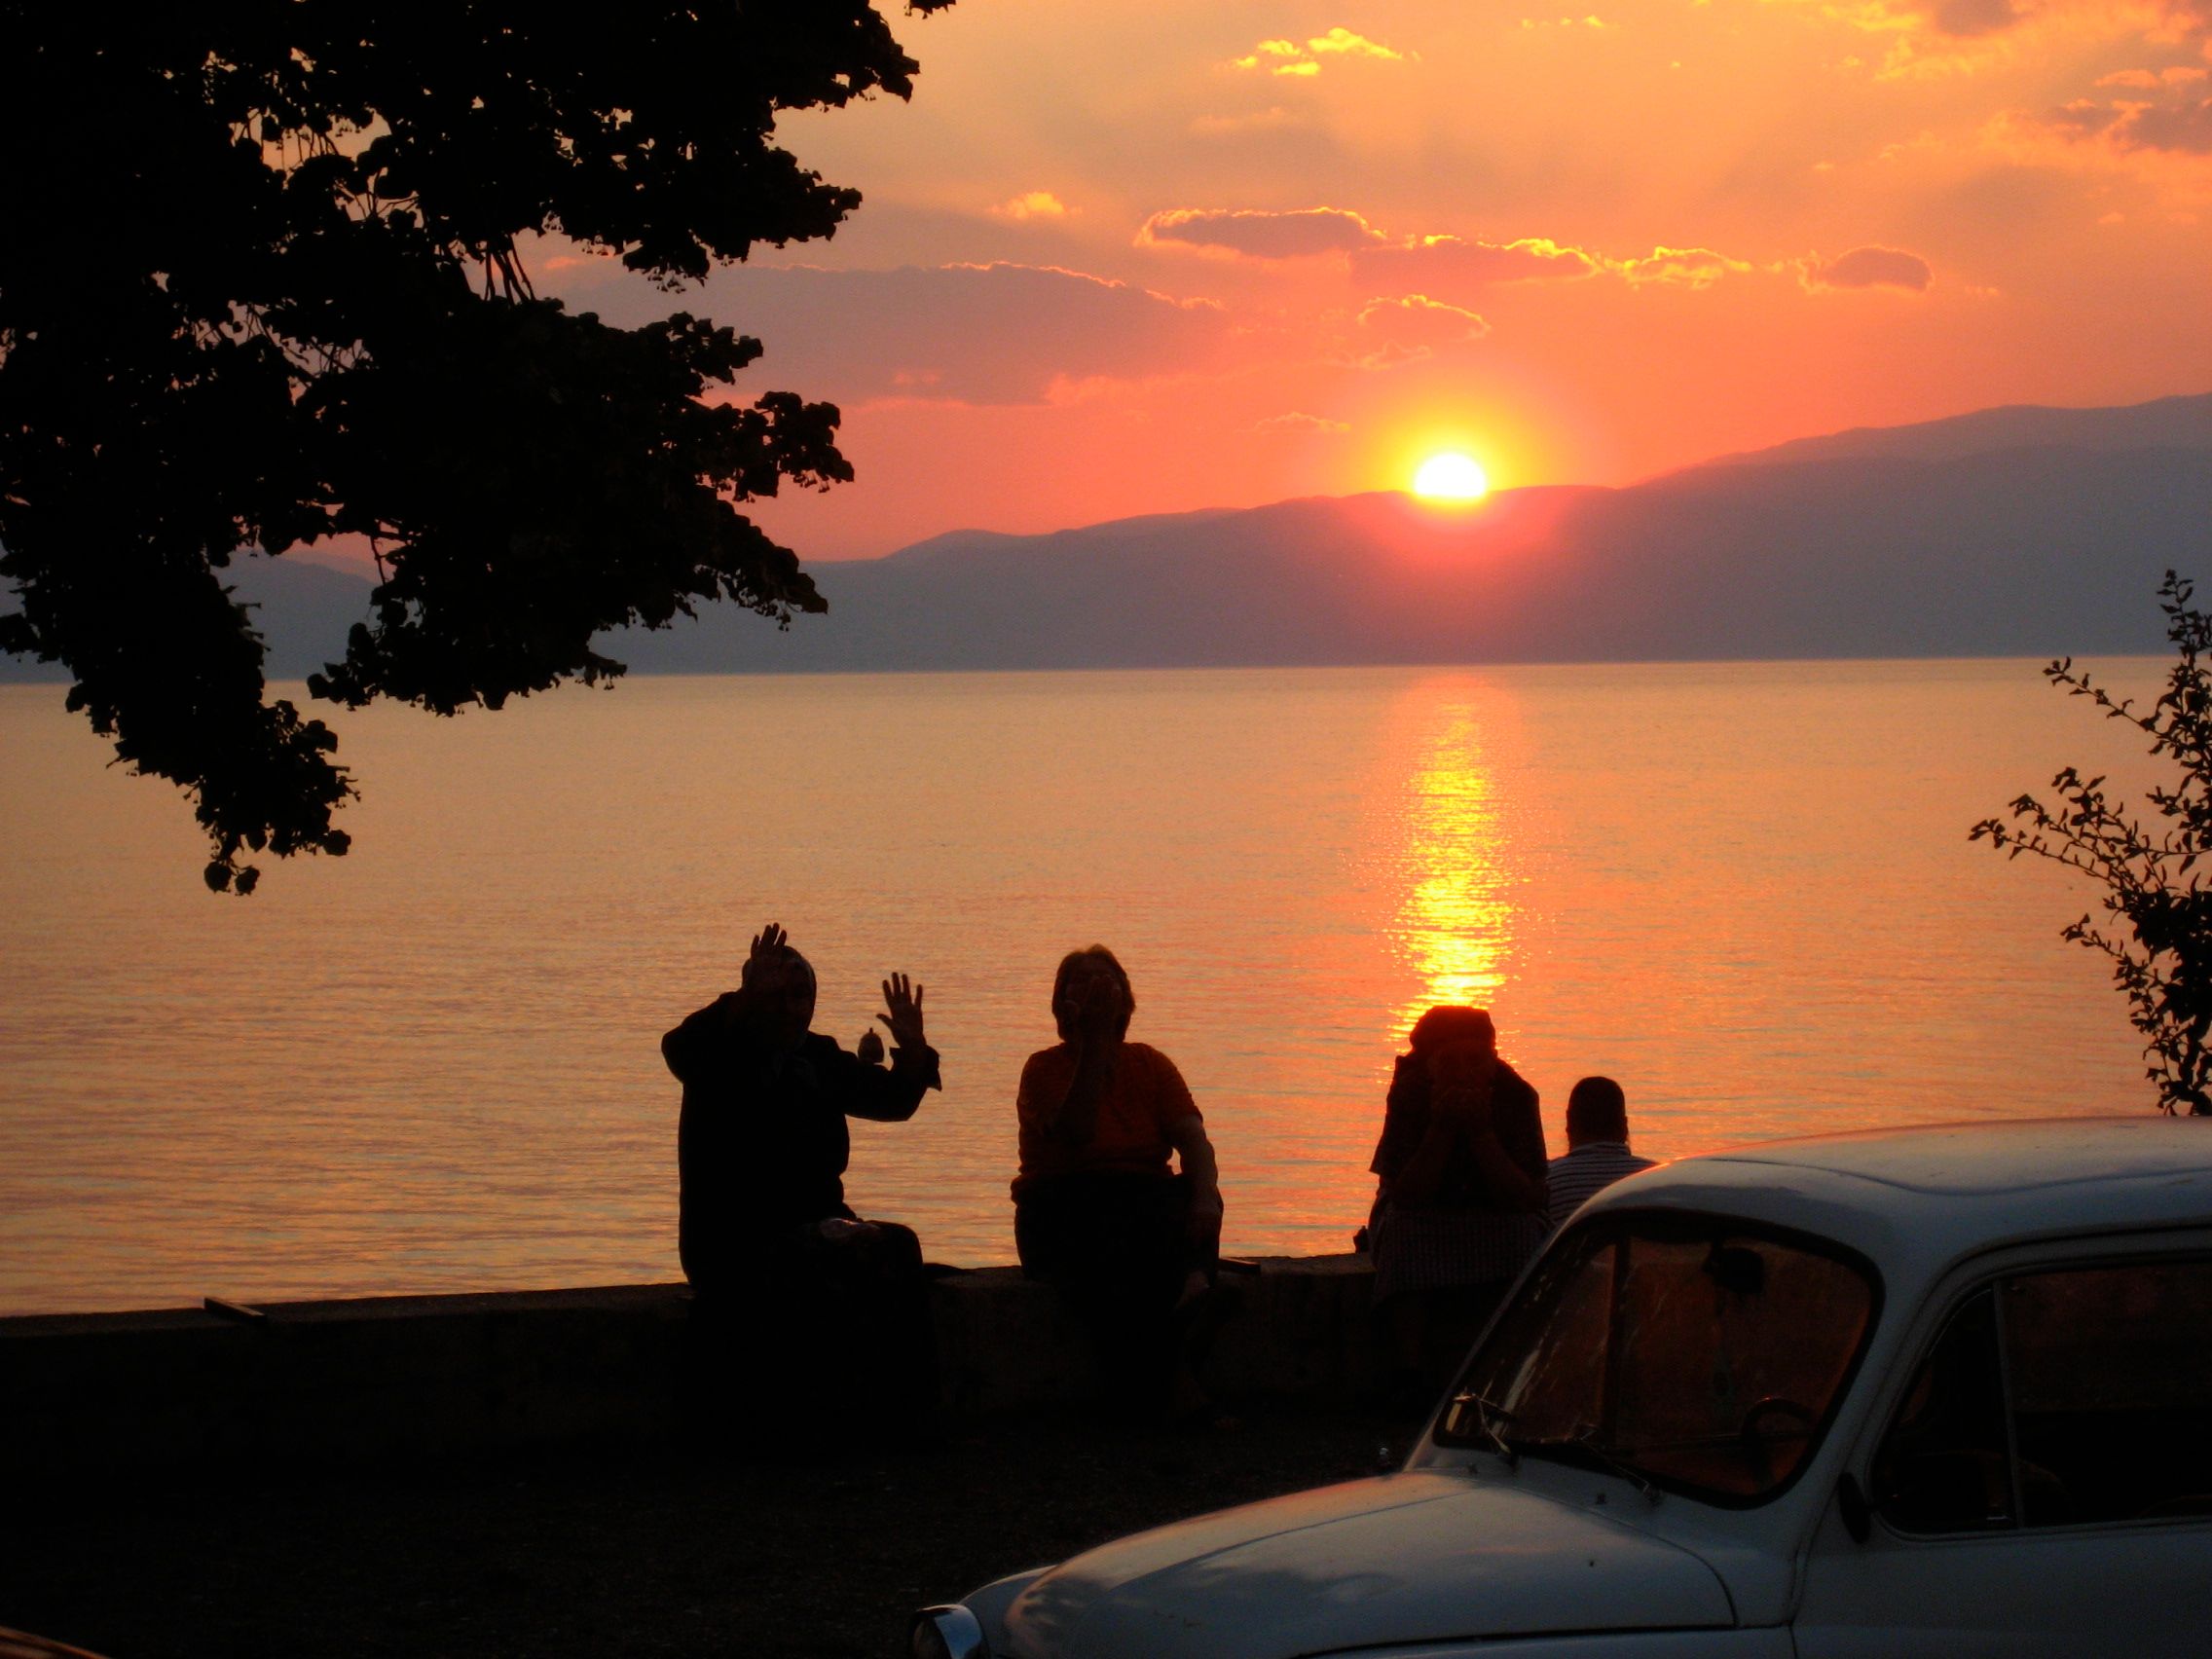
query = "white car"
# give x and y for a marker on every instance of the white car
(1941, 1392)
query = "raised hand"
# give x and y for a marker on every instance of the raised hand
(904, 999)
(768, 941)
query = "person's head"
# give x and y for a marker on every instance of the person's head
(1596, 1111)
(1451, 1024)
(780, 985)
(1093, 971)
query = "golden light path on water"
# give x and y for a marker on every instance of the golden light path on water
(1454, 927)
(1744, 890)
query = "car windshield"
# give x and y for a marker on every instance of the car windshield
(1698, 1353)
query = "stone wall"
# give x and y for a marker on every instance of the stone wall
(305, 1383)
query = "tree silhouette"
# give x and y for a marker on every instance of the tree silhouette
(2163, 962)
(259, 285)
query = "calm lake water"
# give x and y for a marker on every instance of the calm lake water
(1744, 890)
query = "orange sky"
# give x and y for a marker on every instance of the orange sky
(1130, 256)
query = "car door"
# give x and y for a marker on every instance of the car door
(2043, 1485)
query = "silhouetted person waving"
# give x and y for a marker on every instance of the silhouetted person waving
(765, 1236)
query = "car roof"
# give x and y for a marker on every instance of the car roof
(1915, 1201)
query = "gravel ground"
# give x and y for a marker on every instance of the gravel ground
(649, 1553)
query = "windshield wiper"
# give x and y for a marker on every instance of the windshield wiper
(1484, 1411)
(1587, 1442)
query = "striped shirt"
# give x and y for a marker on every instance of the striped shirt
(1575, 1176)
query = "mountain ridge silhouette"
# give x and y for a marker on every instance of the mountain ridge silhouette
(1979, 535)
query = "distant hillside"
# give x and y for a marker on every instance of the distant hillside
(2016, 530)
(2169, 423)
(2035, 551)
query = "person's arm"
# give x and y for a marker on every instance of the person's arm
(880, 1096)
(1509, 1184)
(1420, 1176)
(1176, 1115)
(868, 1091)
(1404, 1112)
(1517, 1114)
(1194, 1152)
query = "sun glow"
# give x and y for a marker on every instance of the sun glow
(1451, 477)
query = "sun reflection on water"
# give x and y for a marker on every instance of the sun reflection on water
(1453, 930)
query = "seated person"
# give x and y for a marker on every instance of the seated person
(1096, 1211)
(763, 1230)
(1596, 1147)
(1459, 1203)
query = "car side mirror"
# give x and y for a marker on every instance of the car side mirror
(1850, 1504)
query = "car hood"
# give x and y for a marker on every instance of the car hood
(1425, 1557)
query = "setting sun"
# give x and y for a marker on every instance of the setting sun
(1450, 478)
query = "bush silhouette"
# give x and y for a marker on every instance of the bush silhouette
(2161, 952)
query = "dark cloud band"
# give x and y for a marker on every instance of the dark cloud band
(1870, 268)
(1297, 234)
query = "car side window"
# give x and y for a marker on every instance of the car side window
(2059, 1399)
(2110, 1371)
(1945, 1465)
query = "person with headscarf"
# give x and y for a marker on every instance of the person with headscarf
(1132, 1244)
(1459, 1204)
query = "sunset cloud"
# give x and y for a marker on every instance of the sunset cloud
(2151, 80)
(1032, 204)
(1258, 233)
(1296, 421)
(1274, 119)
(979, 334)
(1429, 264)
(2184, 127)
(1416, 325)
(1451, 265)
(2117, 132)
(1679, 268)
(1967, 18)
(1344, 43)
(1280, 57)
(1867, 268)
(1960, 19)
(1936, 39)
(1294, 57)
